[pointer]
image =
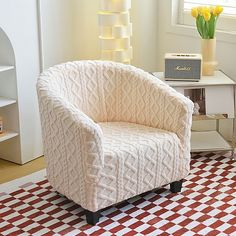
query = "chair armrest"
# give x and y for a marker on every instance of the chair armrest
(72, 146)
(177, 117)
(160, 106)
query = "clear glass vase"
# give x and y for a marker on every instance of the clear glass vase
(209, 63)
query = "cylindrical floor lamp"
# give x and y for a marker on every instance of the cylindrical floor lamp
(115, 30)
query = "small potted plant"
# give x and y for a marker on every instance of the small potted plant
(206, 19)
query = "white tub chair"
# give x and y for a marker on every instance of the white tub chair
(111, 131)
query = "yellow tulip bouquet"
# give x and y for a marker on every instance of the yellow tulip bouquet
(206, 18)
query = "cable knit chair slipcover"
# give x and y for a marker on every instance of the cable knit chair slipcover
(111, 131)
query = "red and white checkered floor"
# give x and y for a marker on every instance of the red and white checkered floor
(206, 206)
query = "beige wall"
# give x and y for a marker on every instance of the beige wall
(58, 31)
(144, 19)
(145, 34)
(87, 31)
(70, 31)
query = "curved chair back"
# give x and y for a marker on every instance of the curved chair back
(103, 90)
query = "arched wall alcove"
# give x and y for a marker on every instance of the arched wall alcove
(9, 111)
(8, 82)
(7, 55)
(19, 42)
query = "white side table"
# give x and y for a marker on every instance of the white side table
(214, 99)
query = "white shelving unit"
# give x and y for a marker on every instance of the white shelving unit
(20, 63)
(219, 103)
(205, 141)
(6, 101)
(7, 135)
(6, 68)
(10, 138)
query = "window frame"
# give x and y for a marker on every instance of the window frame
(175, 27)
(225, 22)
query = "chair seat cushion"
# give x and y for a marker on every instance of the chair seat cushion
(126, 137)
(137, 158)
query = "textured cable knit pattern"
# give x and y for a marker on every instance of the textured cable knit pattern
(111, 131)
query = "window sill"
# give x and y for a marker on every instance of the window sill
(223, 36)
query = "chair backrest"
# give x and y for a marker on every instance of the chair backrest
(105, 91)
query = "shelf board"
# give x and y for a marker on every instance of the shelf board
(6, 68)
(6, 101)
(208, 141)
(210, 117)
(218, 79)
(7, 135)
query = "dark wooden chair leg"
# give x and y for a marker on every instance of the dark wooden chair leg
(92, 218)
(176, 186)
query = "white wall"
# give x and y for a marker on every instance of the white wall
(70, 31)
(144, 19)
(145, 34)
(58, 22)
(172, 42)
(87, 31)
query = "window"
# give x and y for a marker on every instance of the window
(226, 21)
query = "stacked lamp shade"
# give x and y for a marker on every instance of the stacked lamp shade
(115, 30)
